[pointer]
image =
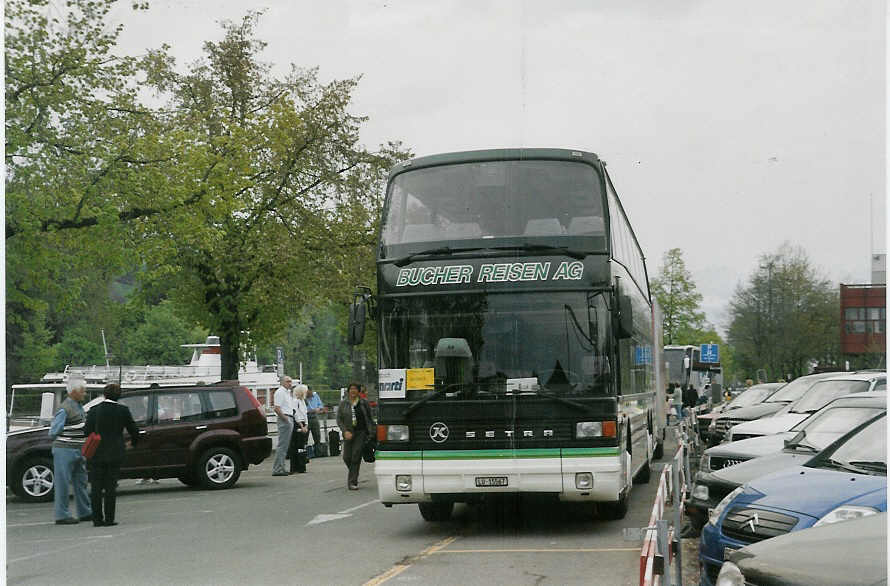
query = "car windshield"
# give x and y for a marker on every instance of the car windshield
(822, 393)
(752, 396)
(866, 451)
(831, 423)
(495, 343)
(494, 199)
(792, 391)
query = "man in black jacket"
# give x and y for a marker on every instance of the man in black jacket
(108, 419)
(690, 398)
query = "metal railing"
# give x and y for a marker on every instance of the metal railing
(661, 556)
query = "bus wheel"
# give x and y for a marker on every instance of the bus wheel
(438, 511)
(643, 475)
(615, 510)
(658, 453)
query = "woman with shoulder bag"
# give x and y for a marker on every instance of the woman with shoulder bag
(108, 419)
(355, 421)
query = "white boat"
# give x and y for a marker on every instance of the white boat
(205, 367)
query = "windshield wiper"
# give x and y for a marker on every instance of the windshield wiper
(576, 254)
(843, 466)
(802, 445)
(443, 250)
(563, 400)
(873, 465)
(447, 250)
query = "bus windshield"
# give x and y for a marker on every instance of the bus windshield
(492, 344)
(494, 199)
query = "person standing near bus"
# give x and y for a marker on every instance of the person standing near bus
(354, 420)
(69, 465)
(284, 409)
(316, 409)
(677, 400)
(109, 419)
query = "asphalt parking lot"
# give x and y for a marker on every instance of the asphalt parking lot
(309, 529)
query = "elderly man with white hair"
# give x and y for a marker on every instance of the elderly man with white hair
(69, 465)
(284, 409)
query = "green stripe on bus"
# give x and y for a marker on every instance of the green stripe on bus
(498, 454)
(399, 455)
(489, 454)
(588, 452)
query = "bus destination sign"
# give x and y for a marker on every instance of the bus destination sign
(490, 273)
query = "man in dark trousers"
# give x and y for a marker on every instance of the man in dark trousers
(108, 419)
(690, 398)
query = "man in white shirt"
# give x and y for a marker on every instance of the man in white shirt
(284, 409)
(301, 431)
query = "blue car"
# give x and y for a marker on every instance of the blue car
(847, 480)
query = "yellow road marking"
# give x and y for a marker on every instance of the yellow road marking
(399, 568)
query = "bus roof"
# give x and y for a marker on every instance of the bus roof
(496, 155)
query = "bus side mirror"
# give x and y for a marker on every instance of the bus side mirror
(355, 334)
(625, 317)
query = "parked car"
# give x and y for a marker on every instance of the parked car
(201, 435)
(750, 396)
(816, 397)
(846, 480)
(725, 467)
(786, 395)
(852, 553)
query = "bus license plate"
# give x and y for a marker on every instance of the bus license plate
(491, 481)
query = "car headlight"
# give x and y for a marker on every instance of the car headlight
(714, 514)
(700, 492)
(396, 433)
(845, 513)
(705, 464)
(730, 575)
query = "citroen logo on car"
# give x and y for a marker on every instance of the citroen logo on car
(438, 432)
(753, 521)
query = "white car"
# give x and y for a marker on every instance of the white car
(819, 395)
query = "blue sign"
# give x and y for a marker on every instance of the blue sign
(643, 355)
(710, 353)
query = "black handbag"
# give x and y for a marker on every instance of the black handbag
(369, 450)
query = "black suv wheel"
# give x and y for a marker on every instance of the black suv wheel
(218, 467)
(33, 481)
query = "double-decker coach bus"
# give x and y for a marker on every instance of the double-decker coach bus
(515, 333)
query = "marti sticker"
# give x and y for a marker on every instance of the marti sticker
(507, 272)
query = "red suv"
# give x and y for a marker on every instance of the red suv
(201, 435)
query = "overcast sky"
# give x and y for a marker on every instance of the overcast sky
(729, 127)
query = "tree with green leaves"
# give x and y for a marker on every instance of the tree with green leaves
(683, 321)
(785, 318)
(84, 162)
(291, 195)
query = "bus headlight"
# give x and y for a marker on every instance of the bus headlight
(588, 429)
(700, 492)
(583, 480)
(403, 482)
(396, 433)
(585, 429)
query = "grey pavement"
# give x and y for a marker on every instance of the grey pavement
(309, 529)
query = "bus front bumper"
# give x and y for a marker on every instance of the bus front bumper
(418, 477)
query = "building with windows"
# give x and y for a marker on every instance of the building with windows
(863, 319)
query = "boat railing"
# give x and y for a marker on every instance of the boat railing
(133, 373)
